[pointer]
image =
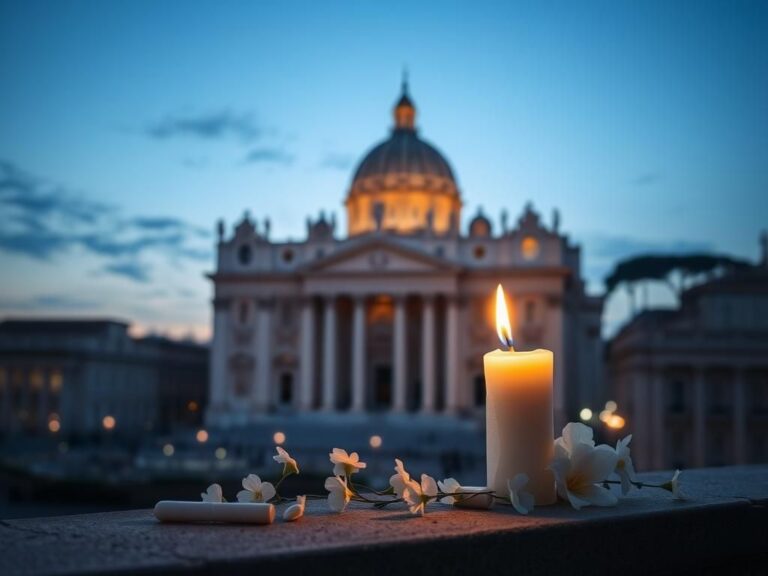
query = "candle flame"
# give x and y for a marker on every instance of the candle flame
(503, 328)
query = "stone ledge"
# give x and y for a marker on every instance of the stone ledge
(720, 527)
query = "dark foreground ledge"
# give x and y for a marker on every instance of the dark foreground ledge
(722, 527)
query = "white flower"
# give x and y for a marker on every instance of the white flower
(450, 486)
(399, 480)
(255, 490)
(417, 495)
(624, 467)
(673, 486)
(578, 474)
(212, 494)
(345, 464)
(574, 433)
(289, 464)
(339, 494)
(521, 500)
(295, 511)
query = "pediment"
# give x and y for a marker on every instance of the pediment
(382, 257)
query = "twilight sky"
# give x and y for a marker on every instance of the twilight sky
(128, 128)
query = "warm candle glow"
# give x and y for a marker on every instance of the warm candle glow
(503, 327)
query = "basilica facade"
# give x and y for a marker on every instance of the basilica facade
(394, 316)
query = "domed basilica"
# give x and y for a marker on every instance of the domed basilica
(392, 319)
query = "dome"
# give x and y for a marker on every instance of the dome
(408, 176)
(403, 153)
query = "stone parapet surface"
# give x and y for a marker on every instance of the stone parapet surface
(721, 527)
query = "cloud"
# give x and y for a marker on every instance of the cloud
(646, 179)
(49, 301)
(267, 155)
(338, 161)
(130, 270)
(211, 126)
(164, 223)
(41, 221)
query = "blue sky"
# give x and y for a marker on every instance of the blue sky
(128, 128)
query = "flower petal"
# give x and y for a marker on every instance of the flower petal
(267, 491)
(293, 512)
(337, 501)
(428, 486)
(252, 483)
(245, 496)
(522, 502)
(594, 464)
(517, 482)
(598, 496)
(576, 433)
(339, 469)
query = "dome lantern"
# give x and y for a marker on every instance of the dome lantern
(405, 111)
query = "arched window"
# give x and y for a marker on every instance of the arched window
(244, 254)
(286, 388)
(530, 248)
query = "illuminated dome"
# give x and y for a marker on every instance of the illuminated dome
(404, 181)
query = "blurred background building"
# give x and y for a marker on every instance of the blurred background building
(395, 317)
(80, 378)
(693, 380)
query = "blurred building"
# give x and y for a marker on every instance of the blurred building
(694, 381)
(394, 317)
(79, 377)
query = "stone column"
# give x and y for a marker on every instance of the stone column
(428, 355)
(699, 418)
(218, 367)
(263, 392)
(43, 407)
(306, 360)
(452, 355)
(658, 413)
(329, 353)
(739, 417)
(640, 401)
(399, 355)
(358, 354)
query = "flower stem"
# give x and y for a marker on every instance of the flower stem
(636, 484)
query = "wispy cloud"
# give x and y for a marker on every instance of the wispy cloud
(209, 126)
(131, 270)
(646, 178)
(336, 161)
(268, 155)
(40, 220)
(48, 301)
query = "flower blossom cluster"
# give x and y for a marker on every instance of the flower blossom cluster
(583, 473)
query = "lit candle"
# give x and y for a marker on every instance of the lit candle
(518, 413)
(226, 512)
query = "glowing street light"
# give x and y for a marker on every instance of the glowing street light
(278, 438)
(202, 436)
(168, 450)
(375, 441)
(220, 453)
(586, 414)
(108, 422)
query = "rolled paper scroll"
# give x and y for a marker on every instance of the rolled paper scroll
(225, 512)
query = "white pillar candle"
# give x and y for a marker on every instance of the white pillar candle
(227, 512)
(519, 414)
